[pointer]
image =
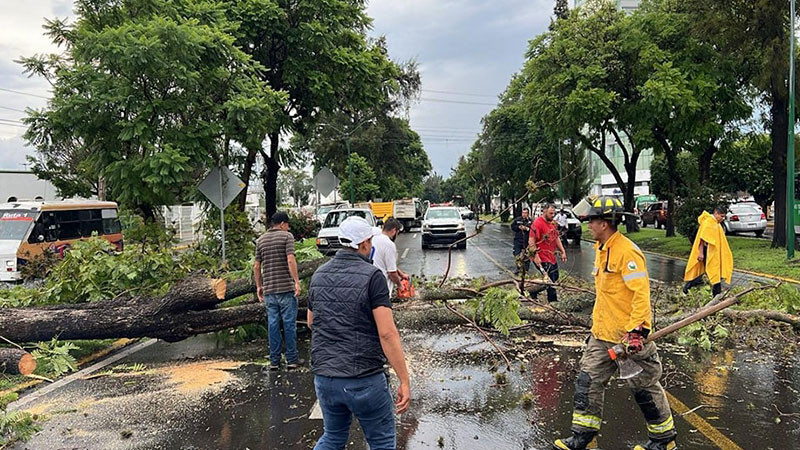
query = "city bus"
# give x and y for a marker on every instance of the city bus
(29, 228)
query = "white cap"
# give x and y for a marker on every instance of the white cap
(354, 230)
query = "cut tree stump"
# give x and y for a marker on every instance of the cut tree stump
(15, 361)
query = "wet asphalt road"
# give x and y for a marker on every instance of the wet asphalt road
(210, 393)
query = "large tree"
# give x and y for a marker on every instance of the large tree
(755, 33)
(745, 166)
(147, 96)
(319, 54)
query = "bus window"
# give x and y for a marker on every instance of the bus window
(91, 222)
(69, 225)
(111, 223)
(14, 224)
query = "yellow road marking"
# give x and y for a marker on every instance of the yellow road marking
(708, 430)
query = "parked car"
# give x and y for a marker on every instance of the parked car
(443, 225)
(745, 218)
(328, 238)
(655, 214)
(323, 210)
(466, 213)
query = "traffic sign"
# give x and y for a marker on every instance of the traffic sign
(221, 187)
(325, 181)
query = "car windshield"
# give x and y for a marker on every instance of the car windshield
(324, 209)
(14, 224)
(335, 218)
(443, 213)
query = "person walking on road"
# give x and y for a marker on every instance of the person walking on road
(563, 223)
(384, 254)
(278, 285)
(622, 313)
(521, 226)
(352, 335)
(544, 239)
(711, 255)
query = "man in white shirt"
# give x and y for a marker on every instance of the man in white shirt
(384, 253)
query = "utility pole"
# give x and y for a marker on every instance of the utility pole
(790, 150)
(560, 178)
(350, 169)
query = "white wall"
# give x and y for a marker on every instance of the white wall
(25, 186)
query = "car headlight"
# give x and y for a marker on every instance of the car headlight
(461, 227)
(322, 241)
(426, 227)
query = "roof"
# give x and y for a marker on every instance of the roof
(55, 206)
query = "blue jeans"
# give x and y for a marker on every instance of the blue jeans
(368, 398)
(282, 307)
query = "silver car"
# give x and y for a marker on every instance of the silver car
(745, 218)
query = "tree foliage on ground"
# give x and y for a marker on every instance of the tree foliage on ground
(146, 97)
(320, 55)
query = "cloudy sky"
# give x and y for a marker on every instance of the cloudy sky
(467, 51)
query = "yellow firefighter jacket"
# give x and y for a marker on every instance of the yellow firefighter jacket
(622, 287)
(718, 262)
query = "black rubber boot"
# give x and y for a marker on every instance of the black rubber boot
(578, 441)
(653, 444)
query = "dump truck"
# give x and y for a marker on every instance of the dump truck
(409, 211)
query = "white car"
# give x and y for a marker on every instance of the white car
(443, 225)
(744, 218)
(323, 210)
(328, 237)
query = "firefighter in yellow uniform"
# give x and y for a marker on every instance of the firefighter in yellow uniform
(621, 313)
(711, 255)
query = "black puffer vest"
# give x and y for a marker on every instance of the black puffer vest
(344, 338)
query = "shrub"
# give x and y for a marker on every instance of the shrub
(303, 225)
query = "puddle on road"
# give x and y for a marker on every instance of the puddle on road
(233, 403)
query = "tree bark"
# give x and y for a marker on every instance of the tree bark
(247, 173)
(15, 361)
(271, 176)
(704, 163)
(779, 133)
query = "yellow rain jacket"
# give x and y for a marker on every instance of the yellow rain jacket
(623, 289)
(718, 264)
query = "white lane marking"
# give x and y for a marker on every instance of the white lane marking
(498, 231)
(316, 412)
(405, 252)
(414, 236)
(78, 375)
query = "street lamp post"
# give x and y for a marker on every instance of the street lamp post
(790, 150)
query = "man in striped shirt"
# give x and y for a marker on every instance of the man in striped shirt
(278, 285)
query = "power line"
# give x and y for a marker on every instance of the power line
(15, 122)
(442, 100)
(12, 109)
(458, 93)
(24, 93)
(13, 125)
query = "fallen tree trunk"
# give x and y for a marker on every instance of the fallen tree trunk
(15, 361)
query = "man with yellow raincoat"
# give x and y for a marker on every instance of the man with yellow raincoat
(710, 255)
(621, 314)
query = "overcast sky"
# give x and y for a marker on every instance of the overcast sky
(467, 51)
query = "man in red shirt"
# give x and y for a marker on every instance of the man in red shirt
(544, 239)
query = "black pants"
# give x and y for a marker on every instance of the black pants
(552, 271)
(715, 288)
(519, 247)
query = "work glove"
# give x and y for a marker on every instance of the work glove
(634, 339)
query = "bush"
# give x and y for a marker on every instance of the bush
(303, 225)
(691, 207)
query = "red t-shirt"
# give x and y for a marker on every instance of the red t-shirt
(545, 235)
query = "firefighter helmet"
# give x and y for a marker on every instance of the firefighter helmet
(601, 207)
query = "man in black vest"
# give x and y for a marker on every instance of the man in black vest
(521, 226)
(352, 335)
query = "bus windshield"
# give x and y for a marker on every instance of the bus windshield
(14, 224)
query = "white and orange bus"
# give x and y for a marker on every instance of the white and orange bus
(29, 228)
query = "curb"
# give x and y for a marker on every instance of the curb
(747, 272)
